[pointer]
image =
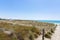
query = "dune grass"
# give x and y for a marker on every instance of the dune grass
(24, 32)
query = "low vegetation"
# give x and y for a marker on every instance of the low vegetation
(49, 34)
(24, 30)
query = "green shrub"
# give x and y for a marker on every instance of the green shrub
(47, 36)
(52, 30)
(35, 35)
(31, 37)
(35, 30)
(49, 33)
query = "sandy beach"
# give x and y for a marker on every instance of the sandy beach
(55, 36)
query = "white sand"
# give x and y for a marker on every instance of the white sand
(55, 36)
(40, 38)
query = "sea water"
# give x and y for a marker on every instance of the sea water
(50, 21)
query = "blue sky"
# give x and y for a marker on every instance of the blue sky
(30, 9)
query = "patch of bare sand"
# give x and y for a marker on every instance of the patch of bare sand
(40, 38)
(56, 35)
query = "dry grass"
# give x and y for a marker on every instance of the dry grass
(25, 31)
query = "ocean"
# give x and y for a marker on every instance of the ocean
(50, 21)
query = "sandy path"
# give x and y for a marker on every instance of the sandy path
(40, 38)
(56, 35)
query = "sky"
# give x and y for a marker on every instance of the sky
(30, 9)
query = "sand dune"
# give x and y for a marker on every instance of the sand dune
(55, 36)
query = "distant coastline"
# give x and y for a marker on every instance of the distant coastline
(50, 21)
